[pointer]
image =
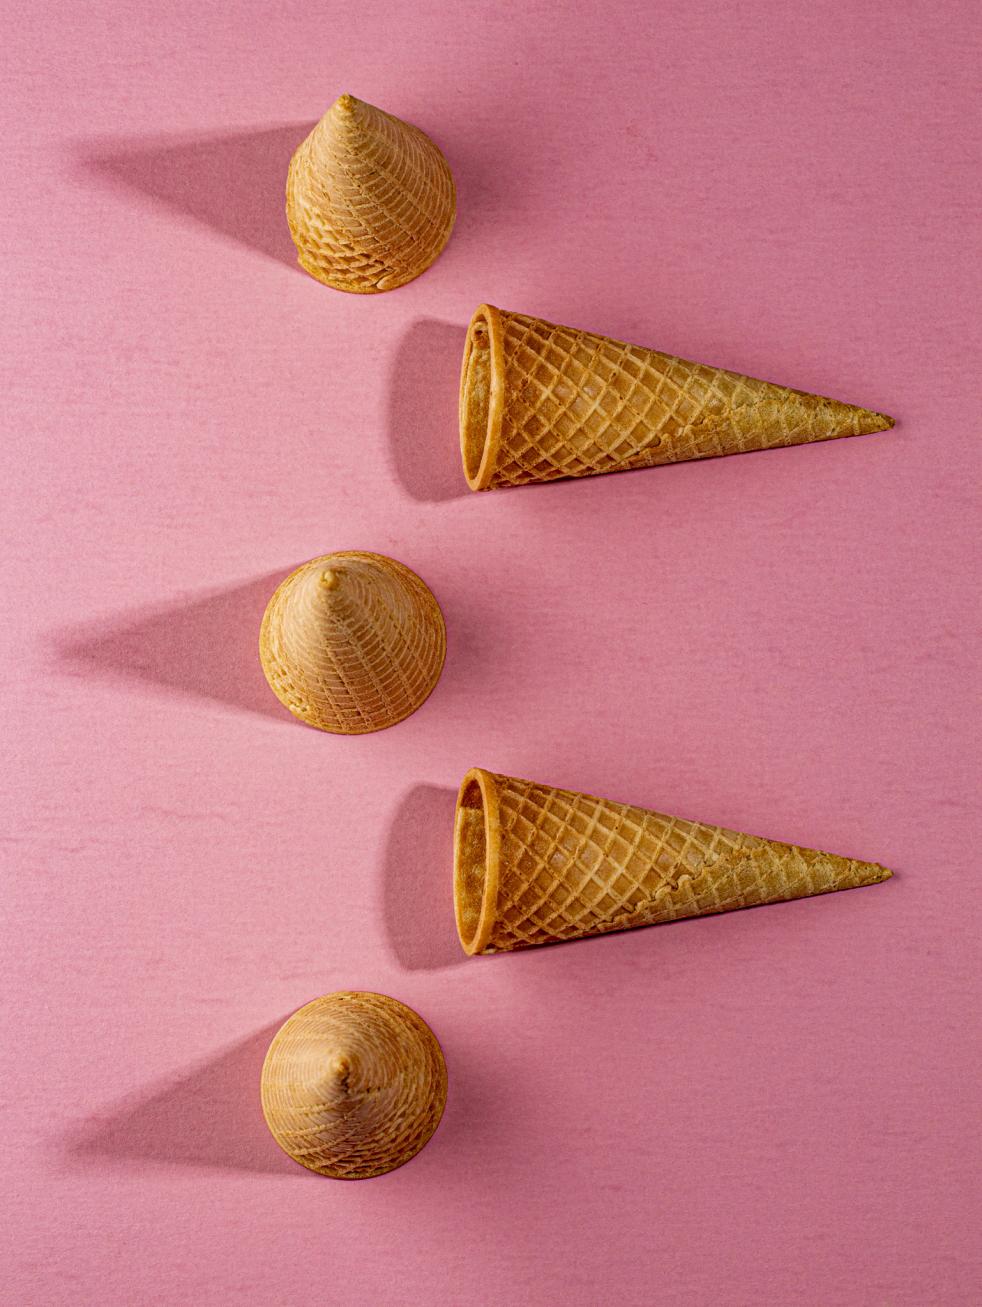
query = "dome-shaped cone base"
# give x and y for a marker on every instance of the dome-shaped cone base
(539, 402)
(536, 865)
(352, 642)
(370, 199)
(353, 1085)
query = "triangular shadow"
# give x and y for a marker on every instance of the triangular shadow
(232, 182)
(417, 877)
(208, 646)
(209, 1116)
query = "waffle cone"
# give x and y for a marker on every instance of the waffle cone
(352, 642)
(370, 199)
(535, 865)
(539, 402)
(353, 1085)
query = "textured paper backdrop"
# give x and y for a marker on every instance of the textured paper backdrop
(775, 1107)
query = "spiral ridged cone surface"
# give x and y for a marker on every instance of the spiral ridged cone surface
(353, 1085)
(539, 402)
(352, 642)
(370, 199)
(536, 865)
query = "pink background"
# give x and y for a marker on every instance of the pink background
(774, 1107)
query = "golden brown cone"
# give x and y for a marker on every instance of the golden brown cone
(353, 1085)
(352, 642)
(539, 402)
(370, 199)
(535, 865)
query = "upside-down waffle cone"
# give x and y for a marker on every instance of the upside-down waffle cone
(352, 642)
(353, 1085)
(539, 402)
(370, 199)
(535, 865)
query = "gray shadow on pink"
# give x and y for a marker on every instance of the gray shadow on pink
(417, 889)
(422, 411)
(205, 646)
(208, 1116)
(232, 182)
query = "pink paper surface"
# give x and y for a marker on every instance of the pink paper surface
(771, 1107)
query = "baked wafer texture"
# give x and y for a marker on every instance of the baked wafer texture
(539, 402)
(353, 1085)
(352, 642)
(370, 199)
(536, 865)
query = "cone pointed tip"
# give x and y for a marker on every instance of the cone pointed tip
(877, 874)
(343, 118)
(329, 579)
(873, 421)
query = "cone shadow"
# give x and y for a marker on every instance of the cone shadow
(206, 647)
(234, 182)
(210, 1116)
(418, 881)
(422, 411)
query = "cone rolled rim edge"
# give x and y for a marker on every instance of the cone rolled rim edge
(486, 783)
(490, 317)
(414, 579)
(399, 1009)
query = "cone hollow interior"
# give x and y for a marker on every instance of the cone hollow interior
(537, 865)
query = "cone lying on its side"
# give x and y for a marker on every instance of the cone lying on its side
(539, 402)
(353, 1085)
(534, 865)
(370, 199)
(352, 642)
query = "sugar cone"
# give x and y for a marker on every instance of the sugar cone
(539, 402)
(352, 642)
(370, 199)
(534, 865)
(353, 1085)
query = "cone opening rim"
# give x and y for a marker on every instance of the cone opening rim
(476, 877)
(482, 396)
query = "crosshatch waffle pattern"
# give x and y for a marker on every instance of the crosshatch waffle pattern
(572, 865)
(577, 405)
(370, 199)
(352, 642)
(353, 1085)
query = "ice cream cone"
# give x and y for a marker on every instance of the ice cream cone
(539, 402)
(535, 865)
(353, 1085)
(370, 199)
(352, 642)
